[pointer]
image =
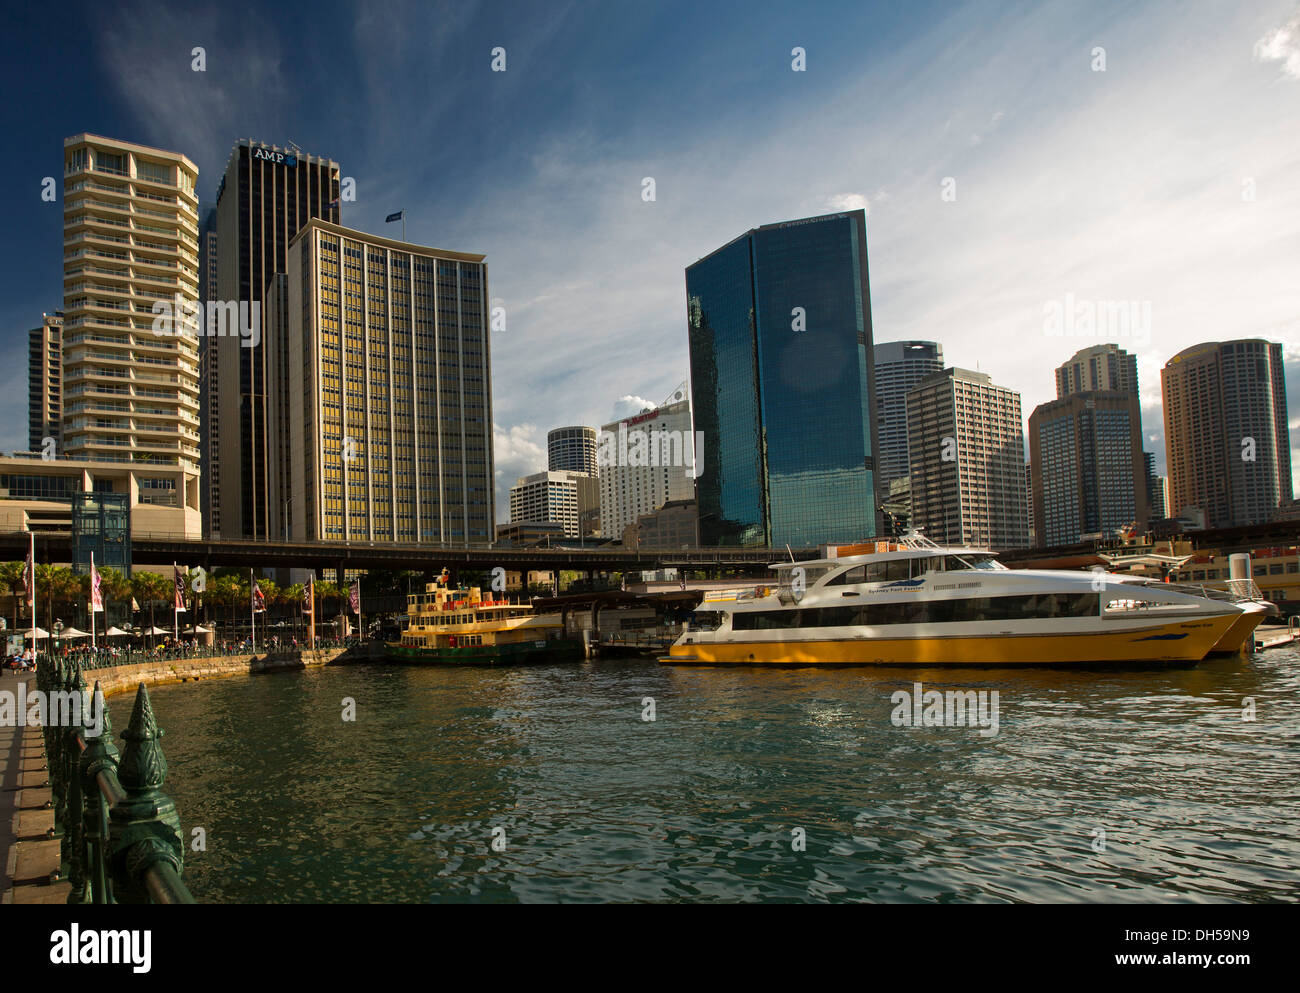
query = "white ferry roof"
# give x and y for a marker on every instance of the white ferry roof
(898, 553)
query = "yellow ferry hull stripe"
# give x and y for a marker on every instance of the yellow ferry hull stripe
(1175, 642)
(1242, 628)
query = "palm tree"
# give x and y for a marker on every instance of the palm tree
(150, 587)
(11, 583)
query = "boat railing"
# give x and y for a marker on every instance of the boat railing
(1231, 590)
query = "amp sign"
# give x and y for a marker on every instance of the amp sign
(279, 158)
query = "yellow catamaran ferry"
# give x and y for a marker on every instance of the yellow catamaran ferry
(911, 602)
(460, 627)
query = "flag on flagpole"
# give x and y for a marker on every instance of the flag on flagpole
(394, 217)
(308, 592)
(259, 601)
(29, 573)
(178, 586)
(96, 593)
(354, 597)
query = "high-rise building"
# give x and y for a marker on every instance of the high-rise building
(45, 383)
(645, 461)
(547, 498)
(265, 198)
(1160, 502)
(1101, 367)
(388, 431)
(209, 425)
(130, 368)
(571, 449)
(966, 455)
(900, 366)
(1226, 438)
(1089, 470)
(782, 385)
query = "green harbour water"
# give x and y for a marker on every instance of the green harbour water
(707, 802)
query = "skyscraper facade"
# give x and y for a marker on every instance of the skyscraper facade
(900, 366)
(966, 455)
(209, 425)
(265, 198)
(635, 477)
(1089, 473)
(130, 261)
(1226, 438)
(388, 431)
(547, 497)
(779, 324)
(1101, 367)
(45, 382)
(571, 449)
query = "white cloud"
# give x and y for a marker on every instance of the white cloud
(1282, 45)
(629, 406)
(848, 201)
(517, 451)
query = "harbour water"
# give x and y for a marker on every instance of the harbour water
(1137, 786)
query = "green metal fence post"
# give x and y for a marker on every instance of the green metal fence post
(101, 755)
(144, 828)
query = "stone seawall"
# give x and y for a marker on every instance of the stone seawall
(120, 679)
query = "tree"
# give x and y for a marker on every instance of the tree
(149, 588)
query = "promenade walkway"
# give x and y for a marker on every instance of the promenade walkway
(28, 855)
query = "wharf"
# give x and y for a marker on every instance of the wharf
(29, 852)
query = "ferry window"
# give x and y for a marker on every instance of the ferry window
(897, 569)
(1260, 570)
(1275, 569)
(1293, 567)
(858, 574)
(1198, 574)
(705, 620)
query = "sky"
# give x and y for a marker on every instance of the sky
(1011, 158)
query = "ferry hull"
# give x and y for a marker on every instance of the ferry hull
(1179, 641)
(1235, 638)
(517, 653)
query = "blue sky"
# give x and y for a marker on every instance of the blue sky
(1123, 184)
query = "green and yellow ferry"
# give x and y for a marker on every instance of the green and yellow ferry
(446, 626)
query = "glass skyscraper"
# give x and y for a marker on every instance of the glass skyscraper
(782, 384)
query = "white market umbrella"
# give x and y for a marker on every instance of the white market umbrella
(157, 630)
(73, 633)
(40, 633)
(198, 630)
(116, 632)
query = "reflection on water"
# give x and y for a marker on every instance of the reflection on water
(1195, 803)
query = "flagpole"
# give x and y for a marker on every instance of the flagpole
(252, 612)
(176, 614)
(312, 581)
(32, 591)
(92, 603)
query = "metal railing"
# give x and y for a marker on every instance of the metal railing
(121, 839)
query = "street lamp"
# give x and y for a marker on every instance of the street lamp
(58, 629)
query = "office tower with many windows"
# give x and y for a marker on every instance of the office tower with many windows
(779, 324)
(209, 426)
(966, 454)
(266, 197)
(1101, 367)
(1089, 471)
(547, 498)
(130, 371)
(645, 461)
(45, 382)
(1226, 438)
(571, 449)
(900, 366)
(388, 431)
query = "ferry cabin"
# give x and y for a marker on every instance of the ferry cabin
(442, 618)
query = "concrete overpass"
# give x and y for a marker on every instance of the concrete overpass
(158, 550)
